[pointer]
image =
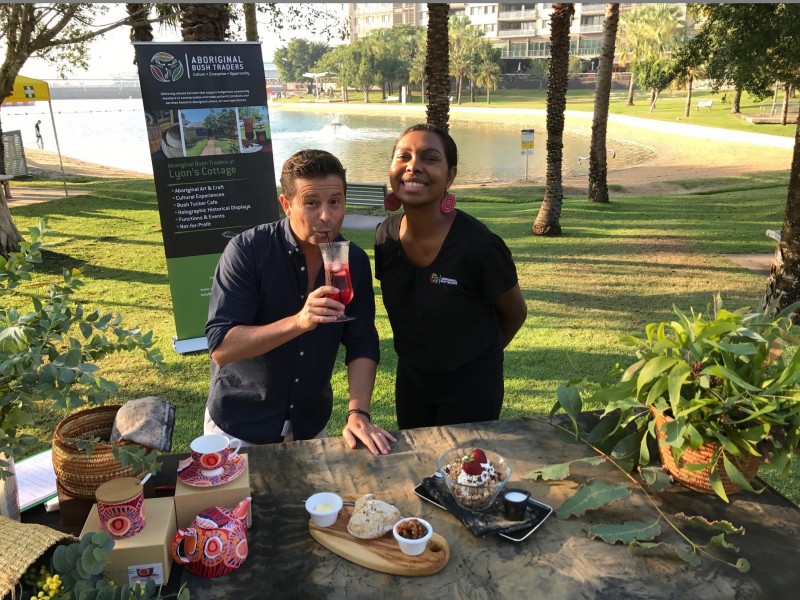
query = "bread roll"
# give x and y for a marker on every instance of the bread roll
(372, 518)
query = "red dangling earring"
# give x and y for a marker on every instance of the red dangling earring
(448, 204)
(391, 202)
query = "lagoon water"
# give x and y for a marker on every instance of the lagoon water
(112, 133)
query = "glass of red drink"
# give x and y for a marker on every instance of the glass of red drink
(336, 262)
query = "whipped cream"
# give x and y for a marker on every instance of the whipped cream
(486, 476)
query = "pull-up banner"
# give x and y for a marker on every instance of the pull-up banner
(208, 127)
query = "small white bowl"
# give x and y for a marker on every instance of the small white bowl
(324, 518)
(413, 547)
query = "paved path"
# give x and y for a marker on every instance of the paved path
(23, 196)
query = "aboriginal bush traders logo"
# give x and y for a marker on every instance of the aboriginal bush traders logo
(441, 279)
(165, 67)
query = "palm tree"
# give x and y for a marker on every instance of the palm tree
(437, 66)
(598, 160)
(547, 221)
(416, 71)
(487, 72)
(204, 22)
(648, 32)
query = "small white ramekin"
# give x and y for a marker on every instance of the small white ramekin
(413, 547)
(324, 518)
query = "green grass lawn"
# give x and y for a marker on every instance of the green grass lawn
(615, 268)
(670, 106)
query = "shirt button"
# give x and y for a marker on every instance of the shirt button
(296, 380)
(302, 268)
(291, 406)
(301, 353)
(302, 296)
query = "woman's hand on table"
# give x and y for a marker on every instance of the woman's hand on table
(374, 437)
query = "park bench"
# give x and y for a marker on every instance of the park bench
(775, 234)
(392, 99)
(366, 194)
(704, 104)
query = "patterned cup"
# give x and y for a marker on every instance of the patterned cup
(211, 452)
(120, 506)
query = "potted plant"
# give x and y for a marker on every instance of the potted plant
(719, 393)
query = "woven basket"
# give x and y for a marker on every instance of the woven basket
(80, 473)
(699, 480)
(22, 546)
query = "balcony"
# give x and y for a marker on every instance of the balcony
(533, 53)
(591, 29)
(514, 33)
(593, 8)
(511, 15)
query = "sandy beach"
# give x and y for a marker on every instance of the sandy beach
(682, 151)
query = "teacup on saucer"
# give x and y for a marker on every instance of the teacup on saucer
(212, 452)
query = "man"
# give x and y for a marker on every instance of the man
(39, 140)
(271, 330)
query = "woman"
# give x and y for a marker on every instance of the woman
(449, 286)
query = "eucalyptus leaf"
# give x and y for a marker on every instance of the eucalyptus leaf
(703, 523)
(625, 533)
(592, 496)
(557, 472)
(719, 541)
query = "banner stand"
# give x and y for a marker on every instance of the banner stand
(207, 123)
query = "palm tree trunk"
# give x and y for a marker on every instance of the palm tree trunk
(204, 22)
(783, 284)
(250, 22)
(548, 220)
(598, 159)
(688, 108)
(437, 66)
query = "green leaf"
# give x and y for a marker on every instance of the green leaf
(721, 371)
(625, 533)
(656, 478)
(73, 358)
(716, 484)
(677, 377)
(653, 369)
(703, 523)
(592, 496)
(719, 541)
(86, 329)
(735, 475)
(689, 557)
(550, 473)
(570, 399)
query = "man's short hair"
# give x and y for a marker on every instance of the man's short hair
(309, 164)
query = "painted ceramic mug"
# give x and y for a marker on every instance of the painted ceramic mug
(120, 506)
(212, 452)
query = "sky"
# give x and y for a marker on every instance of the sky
(112, 55)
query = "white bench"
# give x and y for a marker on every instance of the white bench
(775, 234)
(392, 99)
(366, 194)
(704, 104)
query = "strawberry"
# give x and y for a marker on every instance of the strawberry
(479, 456)
(471, 467)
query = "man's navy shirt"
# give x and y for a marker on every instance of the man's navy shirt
(261, 278)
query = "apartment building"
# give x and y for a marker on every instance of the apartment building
(521, 31)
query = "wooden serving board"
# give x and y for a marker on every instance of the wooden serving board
(382, 554)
